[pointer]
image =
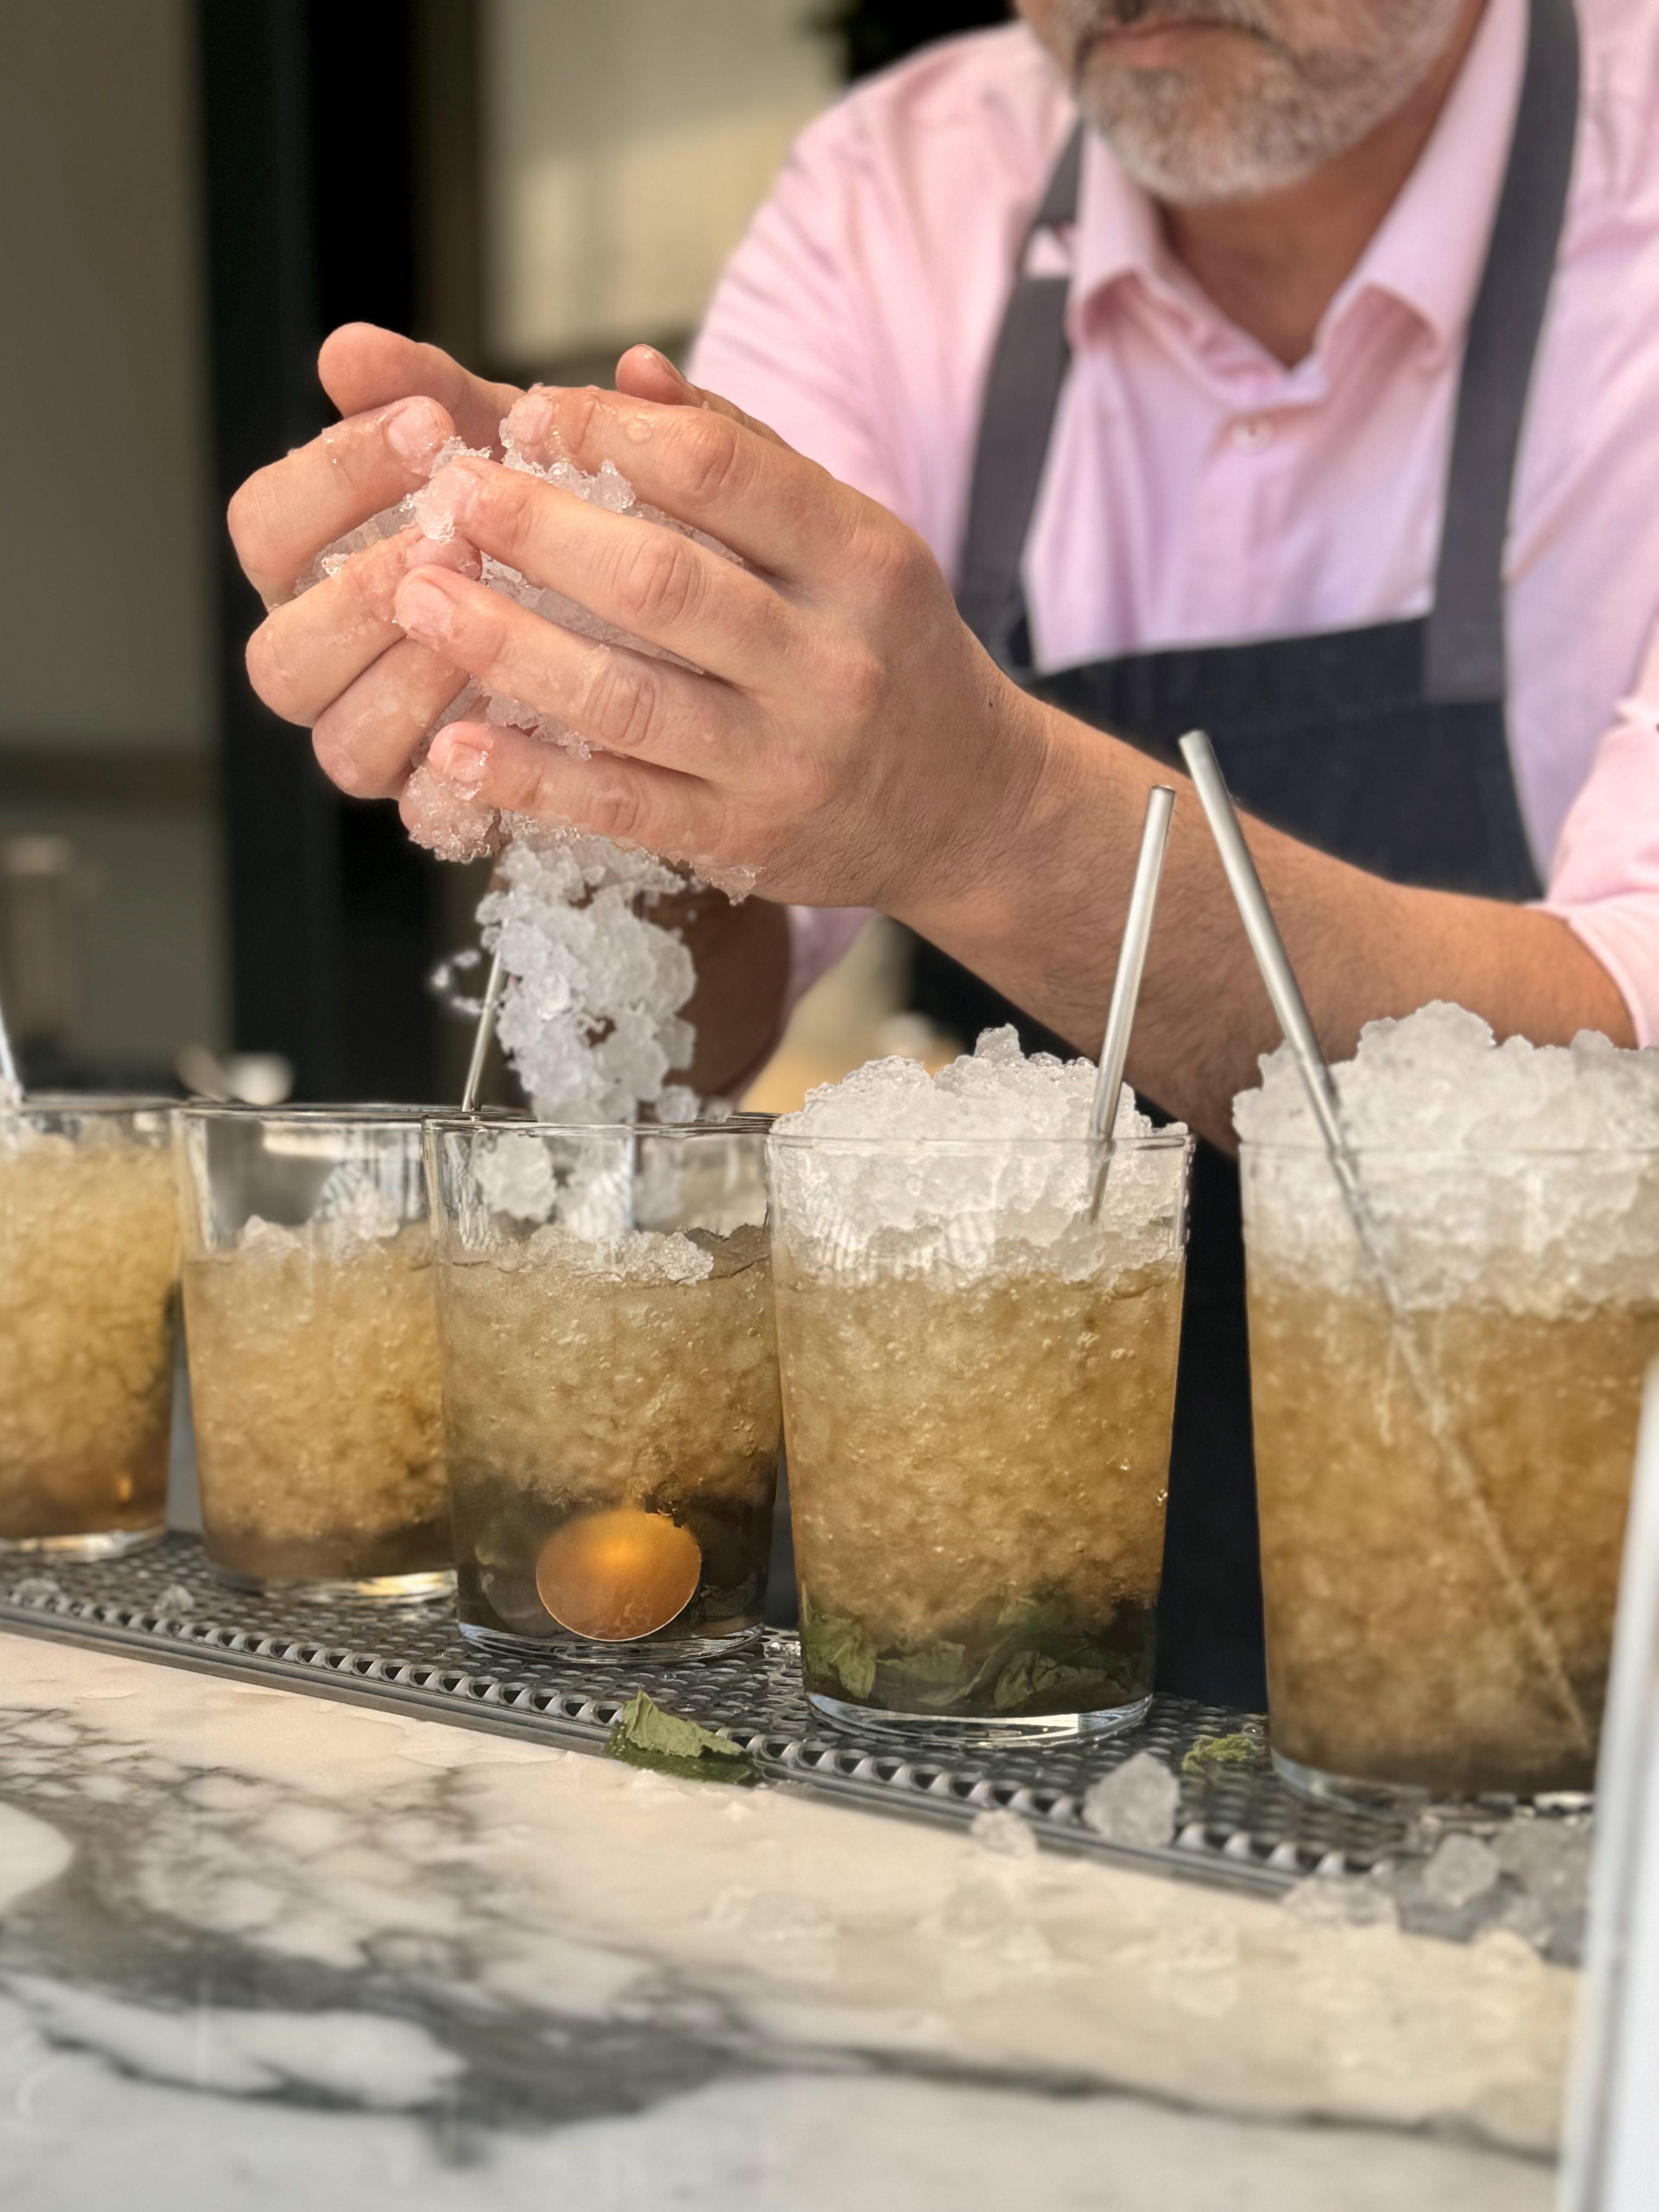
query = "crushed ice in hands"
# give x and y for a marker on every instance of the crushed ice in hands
(590, 1018)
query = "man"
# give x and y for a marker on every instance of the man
(1212, 414)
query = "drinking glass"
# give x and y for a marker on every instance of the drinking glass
(610, 1393)
(1443, 1455)
(977, 1345)
(89, 1273)
(313, 1347)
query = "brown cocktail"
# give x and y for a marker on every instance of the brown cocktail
(88, 1277)
(611, 1390)
(978, 1364)
(1444, 1442)
(313, 1356)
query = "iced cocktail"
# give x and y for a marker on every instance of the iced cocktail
(1445, 1443)
(977, 1341)
(313, 1355)
(88, 1277)
(611, 1391)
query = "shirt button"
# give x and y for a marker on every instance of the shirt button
(1251, 433)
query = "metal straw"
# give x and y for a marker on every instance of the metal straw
(1131, 963)
(1291, 1012)
(492, 999)
(11, 1088)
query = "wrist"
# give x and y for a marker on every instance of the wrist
(1003, 837)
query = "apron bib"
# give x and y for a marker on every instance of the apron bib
(1386, 746)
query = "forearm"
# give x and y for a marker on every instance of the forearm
(742, 955)
(1044, 921)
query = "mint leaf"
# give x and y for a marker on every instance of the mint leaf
(643, 1734)
(1210, 1752)
(1036, 1677)
(835, 1645)
(933, 1674)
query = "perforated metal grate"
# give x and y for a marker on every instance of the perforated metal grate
(1239, 1824)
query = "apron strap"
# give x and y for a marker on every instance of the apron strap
(1021, 394)
(1463, 654)
(1464, 643)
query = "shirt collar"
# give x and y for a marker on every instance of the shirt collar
(1430, 250)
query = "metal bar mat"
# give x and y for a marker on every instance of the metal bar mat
(1238, 1825)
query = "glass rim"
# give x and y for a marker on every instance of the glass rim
(364, 1117)
(1156, 1140)
(1468, 1156)
(93, 1102)
(450, 1123)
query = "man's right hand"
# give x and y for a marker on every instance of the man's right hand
(333, 660)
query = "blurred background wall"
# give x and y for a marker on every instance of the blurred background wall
(195, 191)
(112, 913)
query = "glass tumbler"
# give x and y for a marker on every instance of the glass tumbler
(977, 1345)
(88, 1271)
(313, 1347)
(610, 1392)
(1444, 1459)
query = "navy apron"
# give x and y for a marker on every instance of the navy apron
(1387, 746)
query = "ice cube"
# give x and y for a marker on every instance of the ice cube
(515, 1176)
(1005, 1835)
(1342, 1901)
(1136, 1804)
(1461, 1869)
(37, 1590)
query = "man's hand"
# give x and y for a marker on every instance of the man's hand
(839, 732)
(334, 660)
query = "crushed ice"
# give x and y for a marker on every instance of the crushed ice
(992, 1175)
(1526, 1175)
(1136, 1804)
(1528, 1877)
(590, 1015)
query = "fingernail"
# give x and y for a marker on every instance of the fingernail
(415, 429)
(531, 417)
(458, 760)
(422, 607)
(664, 362)
(452, 492)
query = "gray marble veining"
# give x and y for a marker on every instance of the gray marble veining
(257, 1949)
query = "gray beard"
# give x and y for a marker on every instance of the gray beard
(1319, 82)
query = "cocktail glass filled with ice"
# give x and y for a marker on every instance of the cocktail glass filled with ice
(1445, 1432)
(611, 1390)
(314, 1354)
(977, 1344)
(89, 1274)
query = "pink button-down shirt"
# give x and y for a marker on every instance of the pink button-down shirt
(1198, 491)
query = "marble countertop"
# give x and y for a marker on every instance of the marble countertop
(258, 1948)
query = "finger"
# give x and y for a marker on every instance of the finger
(628, 801)
(306, 651)
(644, 373)
(368, 740)
(363, 366)
(651, 582)
(629, 702)
(284, 515)
(707, 465)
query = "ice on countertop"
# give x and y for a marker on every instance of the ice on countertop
(1135, 1805)
(979, 1169)
(1529, 1174)
(1529, 1877)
